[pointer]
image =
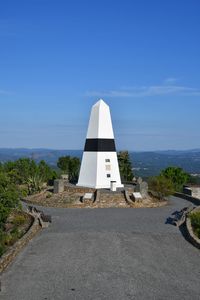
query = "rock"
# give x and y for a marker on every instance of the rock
(139, 181)
(65, 177)
(58, 186)
(142, 188)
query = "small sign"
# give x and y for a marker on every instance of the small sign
(137, 195)
(88, 196)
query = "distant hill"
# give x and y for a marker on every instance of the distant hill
(49, 155)
(144, 163)
(151, 163)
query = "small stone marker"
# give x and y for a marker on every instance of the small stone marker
(139, 180)
(58, 186)
(142, 188)
(137, 197)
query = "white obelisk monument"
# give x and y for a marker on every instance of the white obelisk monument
(99, 166)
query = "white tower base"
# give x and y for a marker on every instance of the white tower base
(95, 169)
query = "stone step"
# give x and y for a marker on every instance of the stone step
(112, 200)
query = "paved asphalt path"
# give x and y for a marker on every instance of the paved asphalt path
(106, 254)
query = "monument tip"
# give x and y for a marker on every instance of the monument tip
(100, 102)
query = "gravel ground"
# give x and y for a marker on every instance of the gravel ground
(112, 253)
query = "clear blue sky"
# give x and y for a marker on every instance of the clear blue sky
(58, 57)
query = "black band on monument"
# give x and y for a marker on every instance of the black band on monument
(100, 145)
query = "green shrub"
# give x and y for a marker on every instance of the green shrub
(14, 231)
(4, 212)
(177, 176)
(23, 192)
(2, 237)
(8, 239)
(160, 186)
(195, 221)
(19, 220)
(49, 195)
(15, 234)
(125, 166)
(2, 249)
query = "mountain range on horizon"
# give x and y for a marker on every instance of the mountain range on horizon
(145, 163)
(167, 151)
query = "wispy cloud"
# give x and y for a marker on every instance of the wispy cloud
(4, 92)
(168, 87)
(171, 80)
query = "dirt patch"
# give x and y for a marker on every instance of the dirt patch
(151, 203)
(49, 199)
(71, 199)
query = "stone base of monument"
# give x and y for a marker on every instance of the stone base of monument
(69, 195)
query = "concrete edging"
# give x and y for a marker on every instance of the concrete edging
(8, 257)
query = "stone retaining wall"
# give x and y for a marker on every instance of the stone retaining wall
(8, 257)
(128, 199)
(77, 189)
(191, 199)
(195, 191)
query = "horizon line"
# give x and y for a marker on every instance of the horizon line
(132, 150)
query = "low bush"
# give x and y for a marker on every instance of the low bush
(15, 233)
(19, 220)
(4, 213)
(2, 249)
(2, 243)
(195, 221)
(49, 195)
(160, 187)
(8, 239)
(23, 192)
